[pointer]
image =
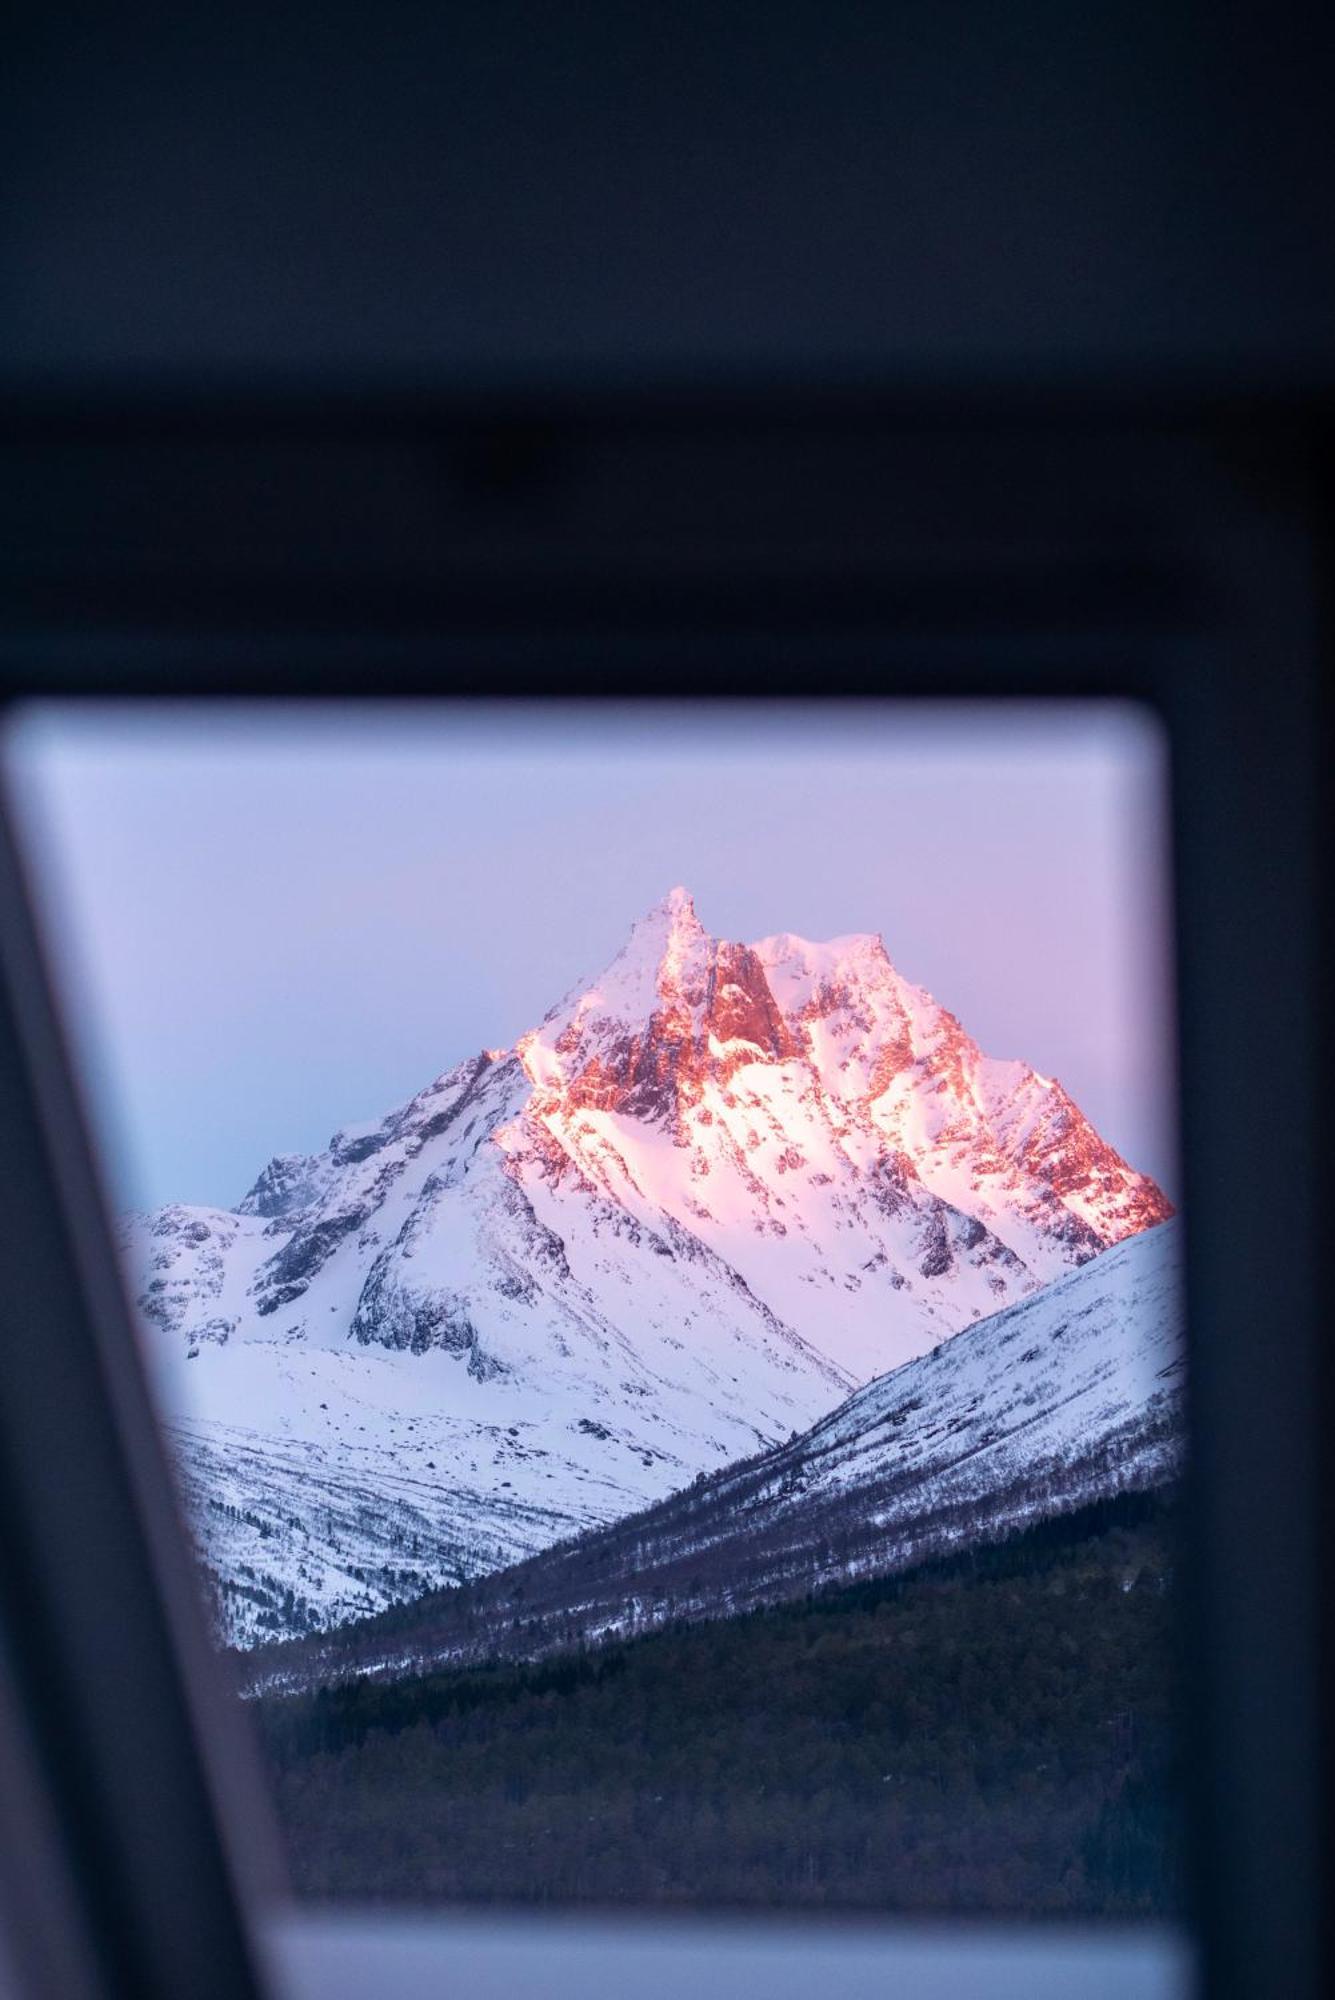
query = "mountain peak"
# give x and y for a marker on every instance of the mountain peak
(718, 1184)
(662, 940)
(661, 1036)
(671, 914)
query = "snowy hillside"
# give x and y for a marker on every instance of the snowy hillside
(719, 1186)
(1070, 1396)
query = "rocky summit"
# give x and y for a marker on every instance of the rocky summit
(720, 1187)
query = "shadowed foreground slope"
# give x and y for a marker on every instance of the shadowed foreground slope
(1070, 1396)
(987, 1734)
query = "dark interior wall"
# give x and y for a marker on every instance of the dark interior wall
(966, 190)
(436, 191)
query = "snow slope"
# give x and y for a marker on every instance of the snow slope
(716, 1188)
(1072, 1395)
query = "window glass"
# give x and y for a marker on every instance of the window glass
(653, 1233)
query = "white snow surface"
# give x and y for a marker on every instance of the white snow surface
(1037, 1402)
(1073, 1394)
(716, 1189)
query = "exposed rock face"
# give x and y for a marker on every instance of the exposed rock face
(821, 1065)
(291, 1182)
(715, 1188)
(715, 1013)
(740, 1009)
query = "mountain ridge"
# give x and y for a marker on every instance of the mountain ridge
(718, 1186)
(1072, 1396)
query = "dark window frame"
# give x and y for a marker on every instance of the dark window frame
(1166, 549)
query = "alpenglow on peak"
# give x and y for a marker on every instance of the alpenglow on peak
(719, 1186)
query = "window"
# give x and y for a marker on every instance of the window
(691, 553)
(704, 1430)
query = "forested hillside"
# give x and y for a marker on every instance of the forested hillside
(991, 1733)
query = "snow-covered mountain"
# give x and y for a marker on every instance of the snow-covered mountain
(718, 1187)
(1072, 1395)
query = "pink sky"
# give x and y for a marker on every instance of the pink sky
(272, 925)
